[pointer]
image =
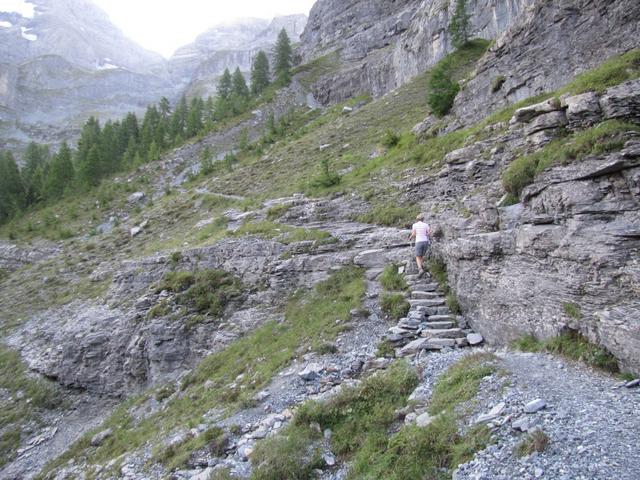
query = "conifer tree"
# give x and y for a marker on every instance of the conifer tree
(179, 121)
(225, 85)
(36, 159)
(240, 88)
(283, 54)
(89, 168)
(194, 120)
(12, 194)
(61, 173)
(259, 73)
(459, 25)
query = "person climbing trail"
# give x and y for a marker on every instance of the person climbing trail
(420, 232)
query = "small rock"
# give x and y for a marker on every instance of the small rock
(311, 372)
(535, 406)
(495, 412)
(329, 459)
(474, 339)
(99, 438)
(424, 420)
(633, 383)
(260, 396)
(538, 472)
(521, 424)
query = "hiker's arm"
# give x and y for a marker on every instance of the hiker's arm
(413, 234)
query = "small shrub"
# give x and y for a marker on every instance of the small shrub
(160, 309)
(536, 441)
(386, 349)
(327, 178)
(442, 91)
(390, 139)
(165, 392)
(528, 343)
(394, 305)
(217, 441)
(497, 83)
(452, 303)
(175, 258)
(392, 280)
(572, 309)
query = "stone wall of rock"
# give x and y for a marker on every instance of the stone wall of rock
(561, 39)
(384, 44)
(566, 256)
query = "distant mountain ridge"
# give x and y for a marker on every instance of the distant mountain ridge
(62, 61)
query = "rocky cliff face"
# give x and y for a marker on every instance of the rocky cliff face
(197, 67)
(390, 42)
(561, 39)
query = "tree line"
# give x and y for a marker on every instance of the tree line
(128, 143)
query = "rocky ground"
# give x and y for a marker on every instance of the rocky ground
(590, 420)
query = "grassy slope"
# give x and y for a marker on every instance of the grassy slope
(216, 383)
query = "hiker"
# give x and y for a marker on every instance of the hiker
(420, 232)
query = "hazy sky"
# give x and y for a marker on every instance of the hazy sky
(163, 26)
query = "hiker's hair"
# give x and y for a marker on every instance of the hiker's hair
(420, 217)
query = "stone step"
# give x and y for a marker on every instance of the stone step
(419, 294)
(414, 347)
(443, 333)
(424, 285)
(442, 318)
(431, 302)
(440, 325)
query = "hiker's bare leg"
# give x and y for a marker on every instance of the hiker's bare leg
(420, 262)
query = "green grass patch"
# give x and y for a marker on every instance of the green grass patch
(36, 395)
(609, 74)
(361, 420)
(207, 291)
(310, 316)
(573, 345)
(278, 211)
(394, 305)
(460, 382)
(390, 214)
(392, 280)
(283, 233)
(605, 137)
(572, 309)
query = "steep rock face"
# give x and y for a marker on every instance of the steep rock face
(197, 66)
(382, 46)
(560, 39)
(567, 255)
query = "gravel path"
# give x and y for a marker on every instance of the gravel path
(591, 421)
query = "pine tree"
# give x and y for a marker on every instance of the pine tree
(284, 54)
(259, 73)
(459, 25)
(225, 85)
(12, 194)
(240, 88)
(61, 173)
(89, 169)
(194, 120)
(36, 159)
(179, 121)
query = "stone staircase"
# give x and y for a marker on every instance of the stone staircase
(429, 325)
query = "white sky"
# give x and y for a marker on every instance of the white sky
(163, 26)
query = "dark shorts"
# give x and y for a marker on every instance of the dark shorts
(421, 248)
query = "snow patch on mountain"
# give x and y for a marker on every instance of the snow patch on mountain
(32, 37)
(4, 24)
(22, 7)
